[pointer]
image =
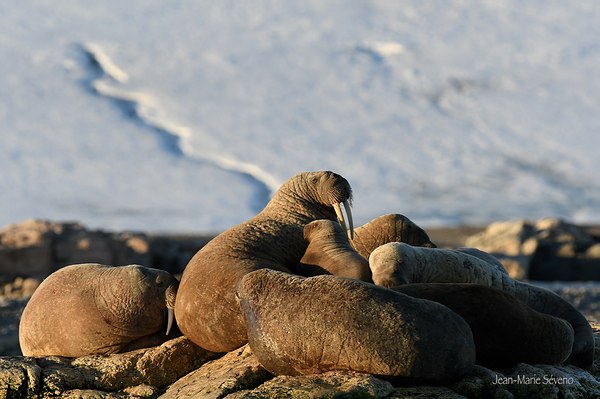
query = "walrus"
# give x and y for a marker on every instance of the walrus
(299, 325)
(505, 330)
(330, 252)
(392, 227)
(97, 309)
(394, 264)
(206, 309)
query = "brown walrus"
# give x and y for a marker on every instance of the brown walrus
(505, 330)
(300, 325)
(394, 264)
(206, 309)
(96, 309)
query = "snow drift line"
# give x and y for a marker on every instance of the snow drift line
(144, 108)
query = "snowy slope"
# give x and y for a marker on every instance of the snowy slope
(181, 116)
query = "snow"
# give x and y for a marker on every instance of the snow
(186, 116)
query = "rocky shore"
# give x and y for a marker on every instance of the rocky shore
(549, 252)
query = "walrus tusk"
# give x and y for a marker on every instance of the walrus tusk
(340, 216)
(169, 320)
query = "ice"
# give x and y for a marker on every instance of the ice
(167, 116)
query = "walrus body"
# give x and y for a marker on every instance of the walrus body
(206, 309)
(96, 309)
(394, 264)
(312, 325)
(505, 330)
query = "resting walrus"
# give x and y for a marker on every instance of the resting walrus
(206, 310)
(96, 309)
(505, 330)
(312, 325)
(395, 264)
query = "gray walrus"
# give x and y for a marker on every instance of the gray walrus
(391, 227)
(505, 330)
(394, 264)
(300, 325)
(96, 309)
(206, 309)
(330, 252)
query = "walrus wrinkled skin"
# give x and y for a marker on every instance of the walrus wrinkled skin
(394, 264)
(311, 325)
(96, 309)
(206, 309)
(392, 227)
(330, 252)
(505, 330)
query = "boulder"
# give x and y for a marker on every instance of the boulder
(340, 384)
(549, 249)
(36, 248)
(237, 370)
(140, 373)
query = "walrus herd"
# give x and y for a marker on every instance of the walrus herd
(310, 294)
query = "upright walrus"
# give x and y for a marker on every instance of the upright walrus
(96, 309)
(206, 309)
(311, 325)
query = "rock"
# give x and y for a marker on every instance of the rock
(26, 248)
(238, 375)
(235, 371)
(94, 394)
(19, 377)
(333, 384)
(158, 366)
(36, 248)
(549, 249)
(138, 373)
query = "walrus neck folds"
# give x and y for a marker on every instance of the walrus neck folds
(124, 314)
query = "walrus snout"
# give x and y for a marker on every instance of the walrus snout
(335, 191)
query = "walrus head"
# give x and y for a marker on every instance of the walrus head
(136, 298)
(332, 190)
(386, 266)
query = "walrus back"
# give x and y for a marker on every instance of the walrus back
(313, 325)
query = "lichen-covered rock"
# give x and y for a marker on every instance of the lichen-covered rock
(333, 384)
(549, 249)
(158, 366)
(138, 373)
(20, 377)
(235, 371)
